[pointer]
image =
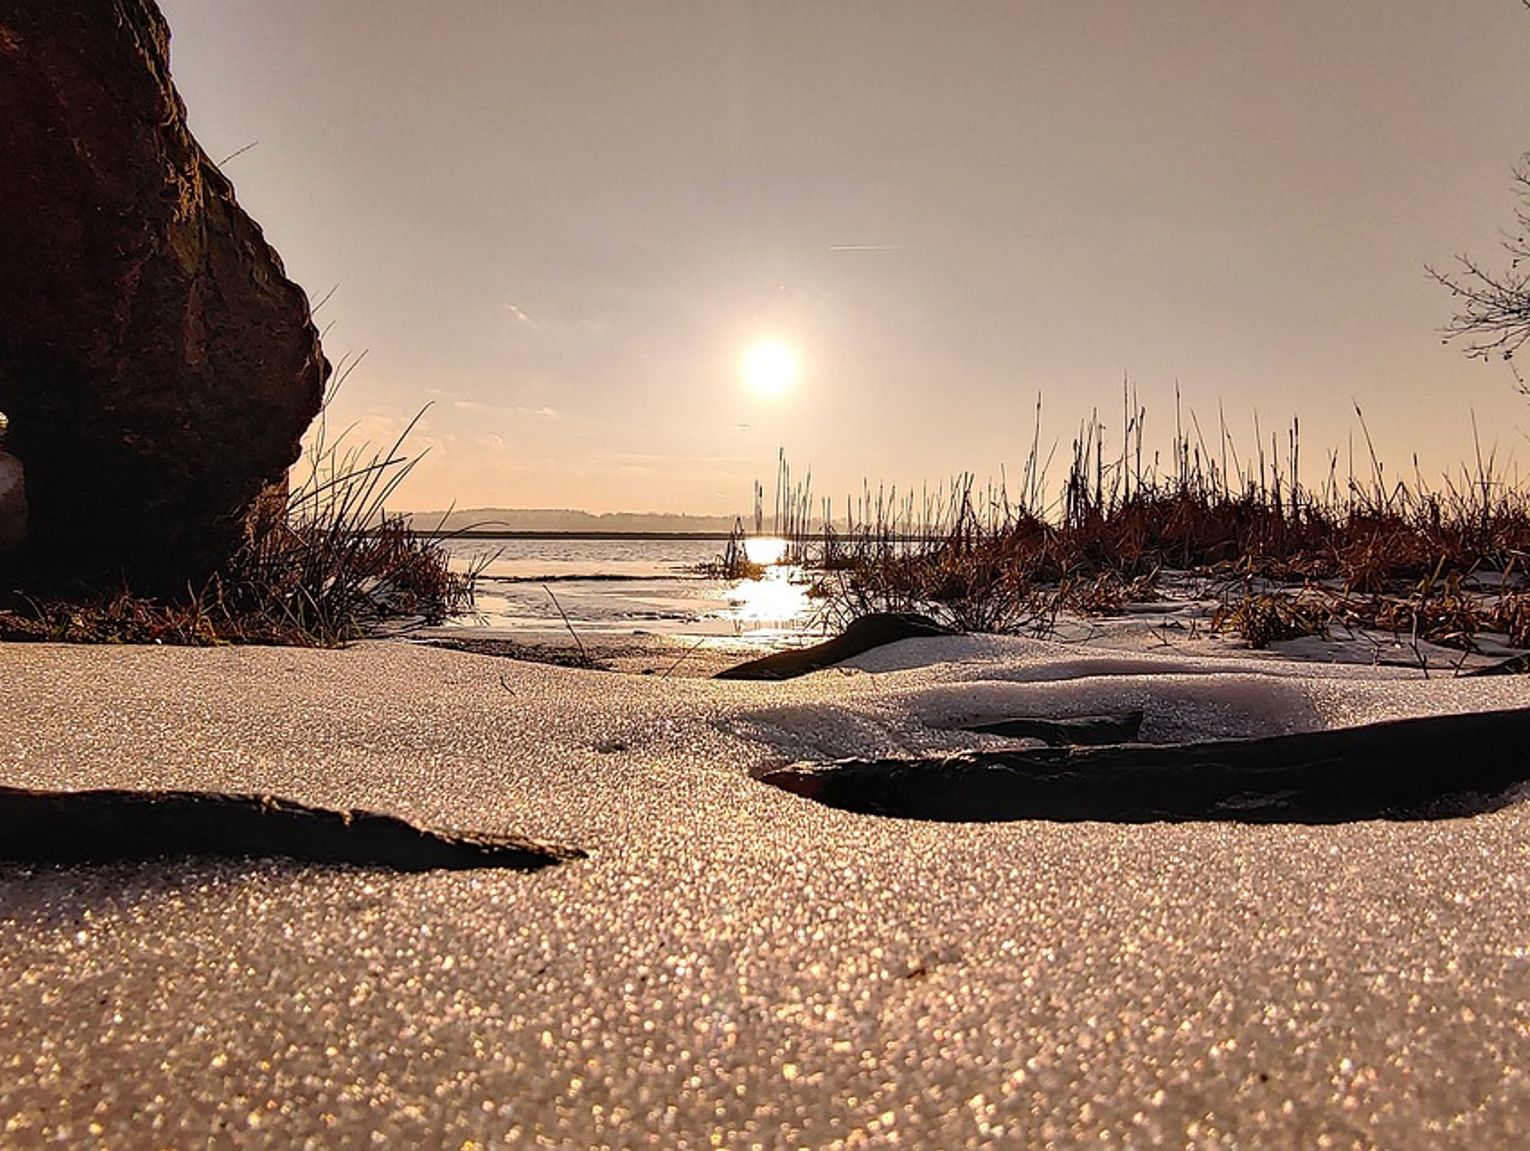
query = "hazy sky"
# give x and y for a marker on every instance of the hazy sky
(563, 222)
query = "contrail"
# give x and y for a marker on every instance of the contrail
(867, 247)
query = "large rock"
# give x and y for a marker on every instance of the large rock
(13, 501)
(157, 365)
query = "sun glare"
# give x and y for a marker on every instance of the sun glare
(769, 366)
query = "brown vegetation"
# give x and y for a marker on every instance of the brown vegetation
(1286, 560)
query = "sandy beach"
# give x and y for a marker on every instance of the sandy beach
(933, 576)
(732, 965)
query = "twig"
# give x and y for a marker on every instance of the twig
(239, 152)
(683, 657)
(583, 655)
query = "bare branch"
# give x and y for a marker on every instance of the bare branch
(1493, 307)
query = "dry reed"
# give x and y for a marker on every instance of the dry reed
(1359, 551)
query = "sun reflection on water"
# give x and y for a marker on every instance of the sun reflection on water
(765, 550)
(779, 598)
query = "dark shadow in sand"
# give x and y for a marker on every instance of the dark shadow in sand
(1071, 731)
(1431, 768)
(108, 826)
(862, 635)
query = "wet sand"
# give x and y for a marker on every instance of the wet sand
(733, 965)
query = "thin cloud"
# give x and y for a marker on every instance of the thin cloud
(544, 412)
(622, 459)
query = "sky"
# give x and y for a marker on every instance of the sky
(561, 225)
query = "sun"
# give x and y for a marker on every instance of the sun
(769, 366)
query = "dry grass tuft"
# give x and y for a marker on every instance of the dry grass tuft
(734, 562)
(325, 565)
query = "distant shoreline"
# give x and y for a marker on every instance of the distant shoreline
(565, 522)
(531, 534)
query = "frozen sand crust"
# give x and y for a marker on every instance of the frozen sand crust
(733, 958)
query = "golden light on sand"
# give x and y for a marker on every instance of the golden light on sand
(769, 366)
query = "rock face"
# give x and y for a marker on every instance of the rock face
(13, 502)
(157, 366)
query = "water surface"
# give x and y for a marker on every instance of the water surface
(631, 585)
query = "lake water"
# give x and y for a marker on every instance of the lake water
(630, 585)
